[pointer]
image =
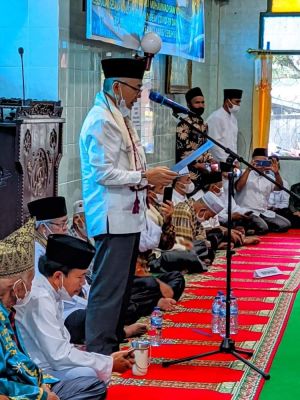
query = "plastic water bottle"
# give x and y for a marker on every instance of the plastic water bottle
(233, 315)
(215, 311)
(222, 295)
(222, 318)
(156, 321)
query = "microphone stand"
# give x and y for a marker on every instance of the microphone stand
(228, 345)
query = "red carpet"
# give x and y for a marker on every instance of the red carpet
(264, 308)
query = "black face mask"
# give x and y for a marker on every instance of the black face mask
(198, 111)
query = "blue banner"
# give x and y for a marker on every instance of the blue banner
(179, 23)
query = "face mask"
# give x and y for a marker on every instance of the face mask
(220, 192)
(159, 198)
(49, 230)
(189, 187)
(124, 110)
(198, 111)
(26, 298)
(234, 109)
(62, 292)
(201, 219)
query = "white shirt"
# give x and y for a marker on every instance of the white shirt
(106, 173)
(223, 215)
(255, 194)
(279, 198)
(39, 250)
(150, 236)
(223, 127)
(46, 338)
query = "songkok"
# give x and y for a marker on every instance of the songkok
(17, 251)
(123, 68)
(69, 251)
(260, 151)
(194, 92)
(212, 177)
(184, 171)
(232, 94)
(78, 207)
(212, 202)
(48, 208)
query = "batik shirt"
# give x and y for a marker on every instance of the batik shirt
(188, 140)
(186, 224)
(20, 378)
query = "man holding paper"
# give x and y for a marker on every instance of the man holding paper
(189, 140)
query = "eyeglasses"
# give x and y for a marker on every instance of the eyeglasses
(61, 224)
(138, 90)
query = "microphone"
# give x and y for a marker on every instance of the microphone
(21, 52)
(164, 101)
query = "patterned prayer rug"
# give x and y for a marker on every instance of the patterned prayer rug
(264, 308)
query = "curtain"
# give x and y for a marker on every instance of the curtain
(262, 102)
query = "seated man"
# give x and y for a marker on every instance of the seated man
(63, 270)
(51, 216)
(182, 186)
(188, 217)
(253, 192)
(214, 182)
(77, 228)
(20, 377)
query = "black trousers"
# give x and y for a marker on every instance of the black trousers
(114, 267)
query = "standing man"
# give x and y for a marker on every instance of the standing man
(222, 123)
(188, 140)
(114, 179)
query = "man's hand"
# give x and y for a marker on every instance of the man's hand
(167, 304)
(50, 395)
(3, 397)
(274, 166)
(161, 176)
(167, 210)
(122, 361)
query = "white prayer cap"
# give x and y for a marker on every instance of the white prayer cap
(212, 202)
(78, 207)
(184, 171)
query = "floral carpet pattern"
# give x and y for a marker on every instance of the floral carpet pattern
(264, 308)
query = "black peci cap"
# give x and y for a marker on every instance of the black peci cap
(123, 68)
(48, 208)
(69, 251)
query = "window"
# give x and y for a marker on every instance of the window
(284, 137)
(280, 30)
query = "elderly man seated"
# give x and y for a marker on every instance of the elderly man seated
(253, 192)
(21, 378)
(188, 217)
(63, 270)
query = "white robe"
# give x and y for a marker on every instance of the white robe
(46, 338)
(223, 127)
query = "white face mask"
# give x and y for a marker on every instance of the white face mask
(234, 109)
(26, 298)
(189, 187)
(201, 219)
(62, 292)
(50, 231)
(124, 110)
(220, 193)
(237, 172)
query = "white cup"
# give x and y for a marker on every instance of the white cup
(141, 355)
